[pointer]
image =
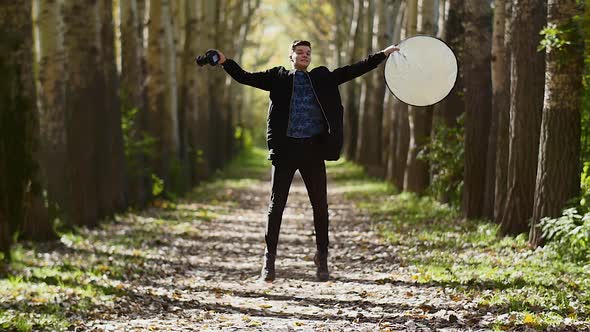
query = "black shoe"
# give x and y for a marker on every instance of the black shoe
(321, 262)
(268, 267)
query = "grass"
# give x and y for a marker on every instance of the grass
(532, 288)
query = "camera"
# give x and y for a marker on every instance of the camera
(211, 57)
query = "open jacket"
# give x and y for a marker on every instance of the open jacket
(279, 82)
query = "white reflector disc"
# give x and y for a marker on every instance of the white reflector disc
(423, 72)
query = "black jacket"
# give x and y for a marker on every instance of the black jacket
(279, 81)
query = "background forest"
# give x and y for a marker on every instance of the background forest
(104, 111)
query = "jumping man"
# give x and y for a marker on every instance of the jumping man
(304, 129)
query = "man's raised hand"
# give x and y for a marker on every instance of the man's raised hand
(221, 56)
(390, 50)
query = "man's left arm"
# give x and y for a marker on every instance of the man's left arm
(349, 72)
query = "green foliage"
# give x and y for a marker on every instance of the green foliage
(445, 154)
(555, 38)
(569, 234)
(585, 187)
(138, 144)
(157, 185)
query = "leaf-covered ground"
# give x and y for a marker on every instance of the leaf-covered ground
(398, 263)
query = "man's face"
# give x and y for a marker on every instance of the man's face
(301, 57)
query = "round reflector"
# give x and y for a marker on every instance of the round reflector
(422, 72)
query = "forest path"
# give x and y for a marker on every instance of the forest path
(198, 261)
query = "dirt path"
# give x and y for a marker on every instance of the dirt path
(203, 258)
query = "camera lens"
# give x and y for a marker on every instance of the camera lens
(202, 60)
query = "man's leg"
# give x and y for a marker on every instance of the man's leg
(314, 177)
(282, 175)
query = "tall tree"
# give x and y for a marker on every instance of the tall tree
(133, 96)
(373, 115)
(52, 116)
(351, 97)
(478, 103)
(85, 81)
(393, 18)
(501, 55)
(112, 172)
(400, 136)
(526, 103)
(416, 178)
(558, 170)
(192, 115)
(447, 112)
(453, 33)
(162, 92)
(21, 200)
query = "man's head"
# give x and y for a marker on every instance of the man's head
(300, 55)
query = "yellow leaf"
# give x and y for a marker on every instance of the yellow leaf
(265, 306)
(298, 323)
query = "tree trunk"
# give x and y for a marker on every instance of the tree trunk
(558, 170)
(501, 99)
(478, 99)
(85, 82)
(351, 108)
(189, 92)
(52, 115)
(416, 178)
(526, 103)
(391, 36)
(375, 166)
(112, 182)
(162, 93)
(450, 108)
(134, 97)
(21, 193)
(400, 135)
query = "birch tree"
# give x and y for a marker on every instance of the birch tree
(558, 170)
(162, 92)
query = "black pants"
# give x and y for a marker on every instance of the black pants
(302, 156)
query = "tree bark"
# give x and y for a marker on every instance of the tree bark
(351, 108)
(501, 55)
(526, 103)
(85, 82)
(52, 115)
(478, 99)
(400, 136)
(369, 128)
(450, 108)
(558, 170)
(391, 34)
(162, 93)
(112, 182)
(134, 97)
(22, 207)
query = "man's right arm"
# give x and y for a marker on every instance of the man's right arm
(263, 80)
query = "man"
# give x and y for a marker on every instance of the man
(304, 129)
